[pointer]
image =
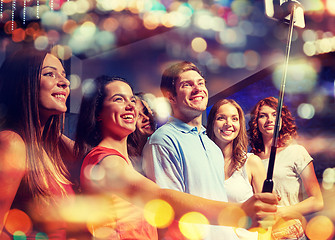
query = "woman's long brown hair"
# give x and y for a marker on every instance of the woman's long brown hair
(19, 94)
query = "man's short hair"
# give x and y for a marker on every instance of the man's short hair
(172, 74)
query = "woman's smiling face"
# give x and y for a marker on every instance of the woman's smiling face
(226, 124)
(54, 87)
(118, 115)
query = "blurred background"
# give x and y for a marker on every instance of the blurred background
(240, 51)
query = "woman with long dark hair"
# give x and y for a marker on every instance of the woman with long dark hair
(34, 178)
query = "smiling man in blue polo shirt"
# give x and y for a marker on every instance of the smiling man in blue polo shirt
(179, 155)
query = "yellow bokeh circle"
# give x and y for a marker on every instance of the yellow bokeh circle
(194, 225)
(158, 213)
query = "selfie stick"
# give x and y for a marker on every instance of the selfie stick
(268, 183)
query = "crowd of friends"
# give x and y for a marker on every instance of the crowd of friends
(119, 153)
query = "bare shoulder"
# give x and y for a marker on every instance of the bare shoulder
(253, 160)
(10, 139)
(114, 162)
(12, 147)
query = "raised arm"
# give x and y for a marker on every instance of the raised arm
(123, 180)
(12, 169)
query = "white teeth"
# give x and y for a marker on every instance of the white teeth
(60, 96)
(128, 116)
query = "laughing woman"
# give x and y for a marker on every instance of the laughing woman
(107, 170)
(33, 176)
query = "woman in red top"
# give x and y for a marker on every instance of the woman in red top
(33, 176)
(107, 116)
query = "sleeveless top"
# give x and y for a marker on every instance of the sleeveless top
(238, 187)
(122, 220)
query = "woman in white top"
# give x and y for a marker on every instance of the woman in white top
(244, 173)
(293, 167)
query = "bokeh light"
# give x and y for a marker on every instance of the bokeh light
(151, 21)
(80, 209)
(320, 228)
(130, 23)
(186, 10)
(328, 178)
(204, 58)
(18, 35)
(203, 19)
(213, 64)
(62, 52)
(323, 45)
(247, 27)
(83, 37)
(19, 235)
(236, 60)
(53, 36)
(41, 42)
(158, 213)
(105, 40)
(241, 7)
(309, 48)
(177, 19)
(162, 108)
(218, 24)
(252, 59)
(167, 20)
(199, 44)
(41, 236)
(301, 77)
(88, 87)
(110, 24)
(233, 37)
(306, 111)
(9, 27)
(309, 35)
(18, 220)
(75, 81)
(69, 26)
(109, 5)
(94, 173)
(194, 225)
(54, 19)
(330, 5)
(70, 8)
(83, 6)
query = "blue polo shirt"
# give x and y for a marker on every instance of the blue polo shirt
(179, 157)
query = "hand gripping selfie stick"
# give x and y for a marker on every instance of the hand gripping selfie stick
(291, 6)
